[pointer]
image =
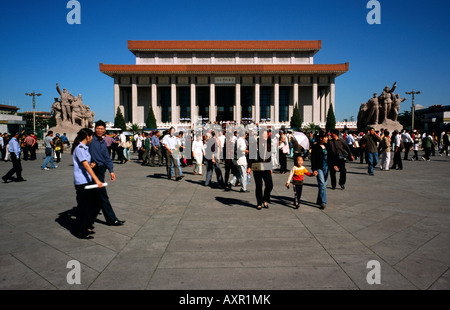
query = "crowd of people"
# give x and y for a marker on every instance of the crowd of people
(328, 153)
(245, 153)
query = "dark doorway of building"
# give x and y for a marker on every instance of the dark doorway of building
(225, 101)
(203, 102)
(164, 101)
(247, 94)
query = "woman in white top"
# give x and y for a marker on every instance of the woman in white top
(198, 151)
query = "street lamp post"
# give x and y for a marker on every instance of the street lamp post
(33, 94)
(413, 108)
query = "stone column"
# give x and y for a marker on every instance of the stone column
(327, 102)
(173, 88)
(315, 103)
(333, 92)
(116, 94)
(257, 99)
(276, 102)
(212, 100)
(134, 96)
(322, 106)
(193, 100)
(155, 100)
(237, 109)
(295, 97)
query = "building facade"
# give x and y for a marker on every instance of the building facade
(9, 120)
(184, 81)
(435, 118)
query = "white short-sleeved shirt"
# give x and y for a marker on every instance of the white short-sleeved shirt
(170, 142)
(80, 154)
(241, 147)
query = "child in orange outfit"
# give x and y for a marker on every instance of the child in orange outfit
(296, 175)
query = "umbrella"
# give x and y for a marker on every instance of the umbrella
(302, 139)
(127, 133)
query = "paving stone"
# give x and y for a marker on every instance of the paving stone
(356, 267)
(183, 235)
(274, 278)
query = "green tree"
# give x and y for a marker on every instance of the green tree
(119, 121)
(134, 128)
(151, 119)
(296, 120)
(311, 127)
(331, 119)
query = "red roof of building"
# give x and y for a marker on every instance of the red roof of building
(8, 107)
(224, 45)
(237, 69)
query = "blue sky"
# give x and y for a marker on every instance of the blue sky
(39, 48)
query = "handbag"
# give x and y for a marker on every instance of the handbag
(58, 148)
(286, 149)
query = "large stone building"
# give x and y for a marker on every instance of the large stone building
(9, 120)
(224, 81)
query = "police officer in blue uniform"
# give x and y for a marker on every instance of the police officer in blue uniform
(87, 199)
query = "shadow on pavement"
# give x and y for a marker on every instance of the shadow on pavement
(289, 202)
(68, 220)
(235, 202)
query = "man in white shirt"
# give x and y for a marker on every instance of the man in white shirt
(396, 147)
(121, 147)
(222, 139)
(135, 140)
(139, 145)
(240, 161)
(407, 142)
(350, 140)
(170, 143)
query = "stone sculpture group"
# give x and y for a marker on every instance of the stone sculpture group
(69, 109)
(70, 113)
(381, 111)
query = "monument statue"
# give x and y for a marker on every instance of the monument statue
(362, 121)
(77, 112)
(66, 103)
(386, 99)
(372, 107)
(90, 117)
(70, 113)
(396, 107)
(56, 111)
(381, 112)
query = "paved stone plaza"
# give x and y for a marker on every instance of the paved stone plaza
(183, 235)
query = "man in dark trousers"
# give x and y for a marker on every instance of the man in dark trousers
(212, 158)
(339, 155)
(371, 139)
(14, 150)
(100, 155)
